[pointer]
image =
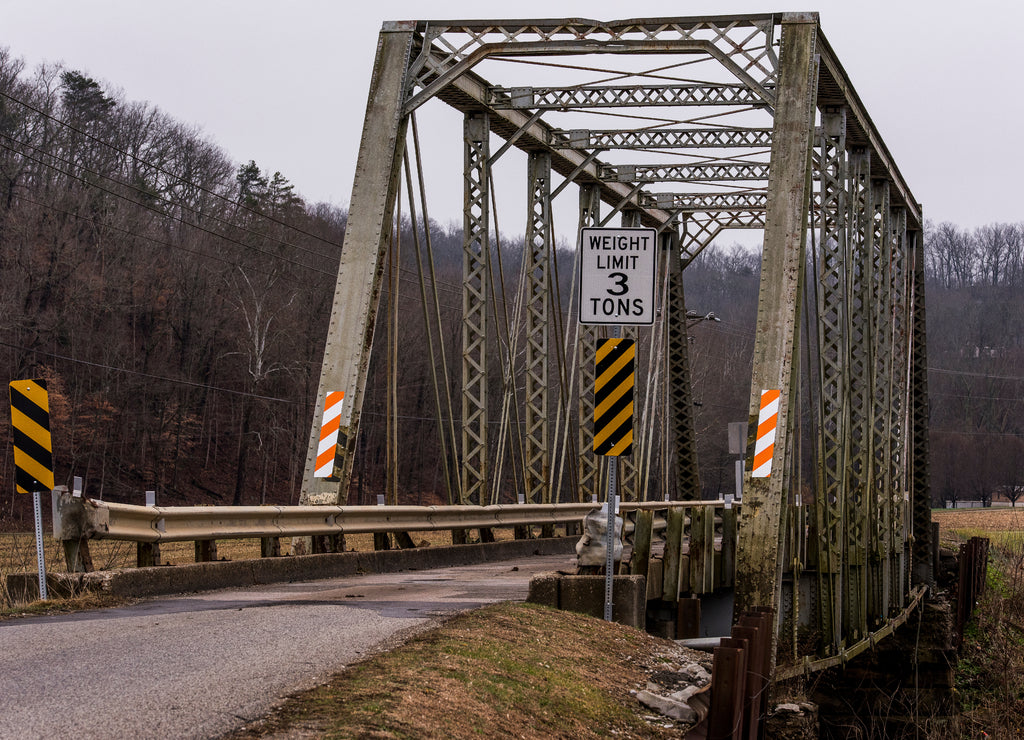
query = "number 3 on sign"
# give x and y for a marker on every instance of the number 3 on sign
(621, 286)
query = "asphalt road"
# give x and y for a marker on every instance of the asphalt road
(200, 665)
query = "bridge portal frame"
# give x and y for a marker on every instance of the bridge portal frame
(790, 71)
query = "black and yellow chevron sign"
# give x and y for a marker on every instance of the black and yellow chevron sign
(613, 397)
(30, 417)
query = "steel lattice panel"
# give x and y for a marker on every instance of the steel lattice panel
(539, 247)
(724, 172)
(475, 303)
(632, 96)
(690, 138)
(833, 350)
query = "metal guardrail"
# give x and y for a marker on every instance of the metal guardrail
(697, 543)
(88, 519)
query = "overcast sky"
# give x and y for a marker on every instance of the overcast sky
(284, 83)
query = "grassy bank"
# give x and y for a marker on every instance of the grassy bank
(990, 675)
(509, 670)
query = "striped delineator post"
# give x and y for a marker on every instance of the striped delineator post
(33, 455)
(764, 446)
(613, 397)
(327, 450)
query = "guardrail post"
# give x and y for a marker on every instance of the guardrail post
(77, 556)
(206, 551)
(147, 554)
(728, 547)
(326, 543)
(671, 557)
(68, 518)
(270, 547)
(639, 561)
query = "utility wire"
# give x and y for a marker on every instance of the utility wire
(161, 213)
(169, 245)
(176, 381)
(42, 152)
(161, 169)
(967, 373)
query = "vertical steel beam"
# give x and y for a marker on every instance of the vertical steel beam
(475, 306)
(682, 421)
(833, 300)
(858, 323)
(898, 411)
(538, 283)
(920, 492)
(590, 465)
(880, 502)
(357, 291)
(762, 525)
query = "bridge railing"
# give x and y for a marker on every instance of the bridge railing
(698, 538)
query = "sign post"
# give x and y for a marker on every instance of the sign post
(617, 271)
(33, 456)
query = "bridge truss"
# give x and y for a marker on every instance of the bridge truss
(693, 126)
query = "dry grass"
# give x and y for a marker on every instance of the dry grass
(990, 674)
(977, 522)
(509, 670)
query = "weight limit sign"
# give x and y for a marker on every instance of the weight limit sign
(617, 268)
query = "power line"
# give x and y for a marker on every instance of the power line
(162, 170)
(969, 374)
(160, 213)
(181, 206)
(176, 381)
(161, 242)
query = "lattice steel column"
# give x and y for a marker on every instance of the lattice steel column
(859, 318)
(833, 350)
(590, 465)
(762, 519)
(880, 503)
(920, 492)
(475, 307)
(683, 421)
(898, 410)
(538, 283)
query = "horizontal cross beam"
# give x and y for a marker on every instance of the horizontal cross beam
(707, 202)
(685, 172)
(694, 138)
(629, 96)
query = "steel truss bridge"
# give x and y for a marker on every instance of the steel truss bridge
(692, 126)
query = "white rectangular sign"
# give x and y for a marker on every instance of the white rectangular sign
(617, 271)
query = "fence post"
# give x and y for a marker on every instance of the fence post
(728, 677)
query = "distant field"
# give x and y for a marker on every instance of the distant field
(1004, 526)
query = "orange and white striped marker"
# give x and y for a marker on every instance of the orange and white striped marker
(764, 446)
(328, 447)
